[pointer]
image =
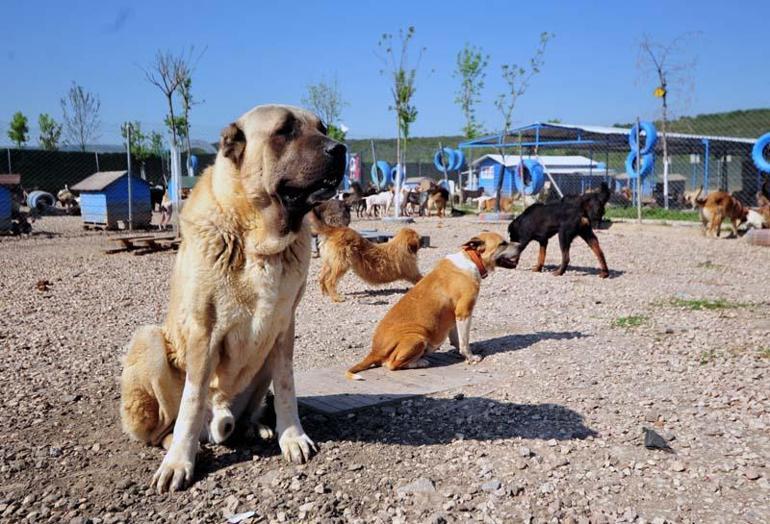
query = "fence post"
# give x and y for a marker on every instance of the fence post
(176, 180)
(8, 151)
(96, 155)
(128, 169)
(638, 174)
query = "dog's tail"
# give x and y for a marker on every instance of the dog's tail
(699, 201)
(371, 360)
(317, 225)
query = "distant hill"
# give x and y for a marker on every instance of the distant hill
(749, 123)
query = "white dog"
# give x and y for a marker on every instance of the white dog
(384, 199)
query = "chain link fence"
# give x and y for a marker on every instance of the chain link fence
(715, 154)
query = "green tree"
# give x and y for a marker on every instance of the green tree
(18, 131)
(517, 79)
(157, 147)
(471, 63)
(50, 132)
(325, 100)
(335, 133)
(177, 126)
(403, 75)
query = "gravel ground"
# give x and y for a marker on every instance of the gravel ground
(590, 362)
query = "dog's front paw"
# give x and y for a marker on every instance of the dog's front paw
(296, 448)
(473, 359)
(172, 475)
(265, 432)
(604, 274)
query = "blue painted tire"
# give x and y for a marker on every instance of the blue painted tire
(394, 174)
(40, 200)
(459, 160)
(449, 154)
(529, 177)
(650, 139)
(381, 174)
(647, 164)
(757, 153)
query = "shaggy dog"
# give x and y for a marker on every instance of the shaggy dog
(343, 249)
(718, 206)
(238, 277)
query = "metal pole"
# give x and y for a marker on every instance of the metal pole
(8, 150)
(374, 166)
(638, 175)
(128, 169)
(97, 161)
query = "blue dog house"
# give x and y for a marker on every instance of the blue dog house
(5, 208)
(104, 200)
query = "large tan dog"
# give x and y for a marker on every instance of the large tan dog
(239, 275)
(439, 305)
(716, 207)
(343, 249)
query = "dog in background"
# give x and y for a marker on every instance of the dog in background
(718, 206)
(379, 201)
(343, 249)
(437, 199)
(238, 277)
(569, 219)
(439, 305)
(763, 195)
(334, 213)
(690, 198)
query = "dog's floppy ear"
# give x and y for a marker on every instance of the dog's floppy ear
(475, 244)
(414, 244)
(233, 143)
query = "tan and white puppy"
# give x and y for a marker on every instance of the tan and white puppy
(439, 305)
(239, 275)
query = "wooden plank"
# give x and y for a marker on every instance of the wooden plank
(328, 391)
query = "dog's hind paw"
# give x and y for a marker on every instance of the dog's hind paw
(265, 432)
(604, 274)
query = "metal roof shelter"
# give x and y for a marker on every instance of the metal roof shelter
(607, 139)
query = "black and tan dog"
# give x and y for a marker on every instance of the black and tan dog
(569, 218)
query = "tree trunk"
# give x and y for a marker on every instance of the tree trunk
(665, 150)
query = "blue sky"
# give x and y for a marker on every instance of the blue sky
(261, 52)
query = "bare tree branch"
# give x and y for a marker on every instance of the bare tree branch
(81, 116)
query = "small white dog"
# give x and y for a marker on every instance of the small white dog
(383, 199)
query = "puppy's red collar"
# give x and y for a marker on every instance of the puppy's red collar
(476, 259)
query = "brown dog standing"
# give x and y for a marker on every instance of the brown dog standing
(439, 305)
(344, 249)
(716, 207)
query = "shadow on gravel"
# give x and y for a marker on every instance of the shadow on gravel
(507, 343)
(586, 270)
(422, 421)
(378, 292)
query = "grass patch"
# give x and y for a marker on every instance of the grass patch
(764, 353)
(708, 264)
(631, 321)
(708, 356)
(700, 304)
(653, 214)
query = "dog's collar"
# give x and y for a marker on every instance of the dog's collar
(476, 259)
